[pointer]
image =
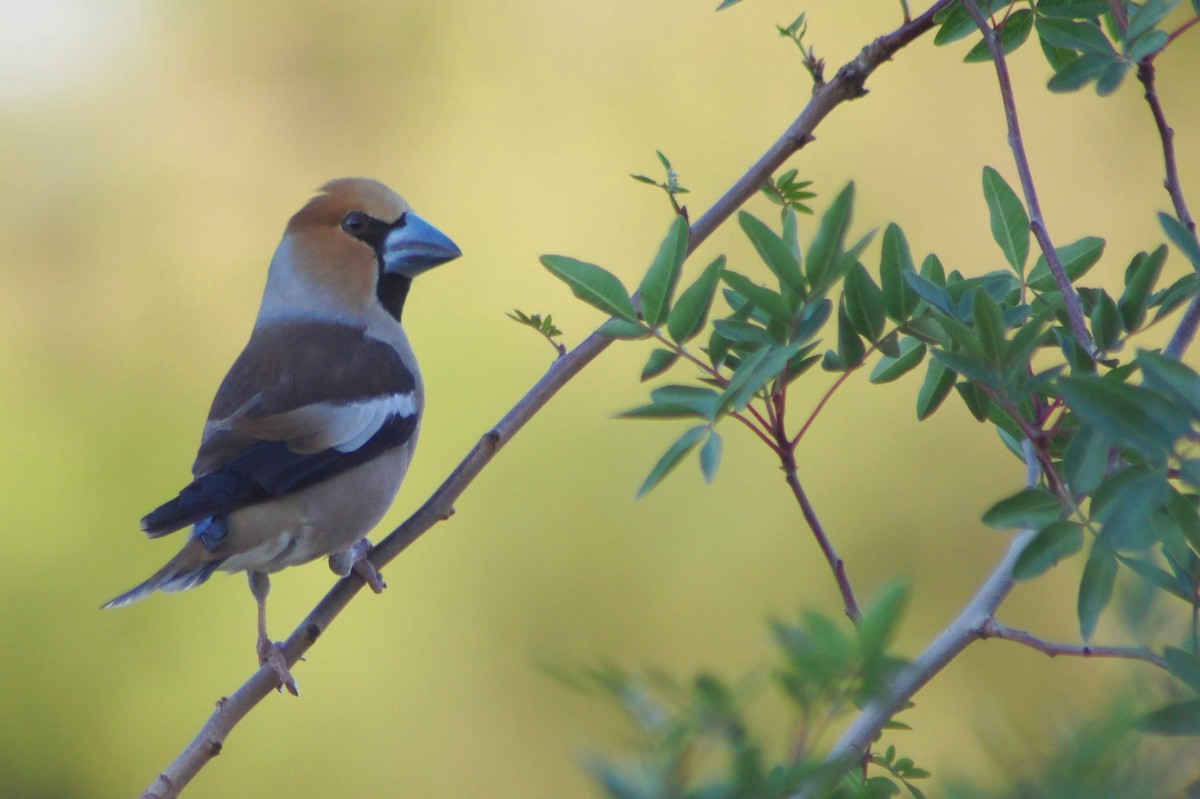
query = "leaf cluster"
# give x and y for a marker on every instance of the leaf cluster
(1112, 434)
(697, 739)
(1084, 41)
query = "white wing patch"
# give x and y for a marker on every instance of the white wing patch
(373, 414)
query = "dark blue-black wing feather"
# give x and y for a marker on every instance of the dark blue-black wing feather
(267, 470)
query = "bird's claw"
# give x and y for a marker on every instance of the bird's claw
(365, 569)
(269, 654)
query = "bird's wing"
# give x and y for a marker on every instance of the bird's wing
(304, 402)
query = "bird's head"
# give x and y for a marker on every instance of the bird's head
(353, 247)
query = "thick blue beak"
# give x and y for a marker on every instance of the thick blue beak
(414, 246)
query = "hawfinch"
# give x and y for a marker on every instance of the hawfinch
(313, 428)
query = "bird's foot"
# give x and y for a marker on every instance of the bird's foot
(363, 567)
(269, 654)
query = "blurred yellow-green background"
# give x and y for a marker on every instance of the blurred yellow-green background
(150, 153)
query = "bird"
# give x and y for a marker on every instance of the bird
(312, 430)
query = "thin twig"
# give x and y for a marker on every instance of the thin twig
(828, 395)
(846, 85)
(836, 564)
(994, 629)
(1037, 223)
(1183, 335)
(1175, 34)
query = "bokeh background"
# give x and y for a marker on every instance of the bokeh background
(150, 153)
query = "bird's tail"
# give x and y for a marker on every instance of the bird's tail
(186, 570)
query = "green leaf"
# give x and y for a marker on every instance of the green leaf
(710, 456)
(592, 284)
(1010, 223)
(1171, 378)
(967, 367)
(989, 323)
(676, 402)
(1079, 72)
(700, 398)
(771, 302)
(812, 319)
(663, 410)
(1077, 35)
(1024, 343)
(658, 286)
(1145, 17)
(727, 4)
(1013, 33)
(1139, 283)
(864, 303)
(933, 271)
(850, 347)
(912, 352)
(658, 362)
(791, 232)
(1175, 295)
(1184, 665)
(1029, 508)
(1110, 79)
(937, 385)
(744, 332)
(1183, 511)
(1077, 258)
(1124, 504)
(1181, 718)
(1157, 577)
(672, 457)
(956, 23)
(827, 244)
(881, 618)
(1096, 587)
(774, 252)
(1072, 9)
(1057, 57)
(931, 292)
(1055, 542)
(1152, 42)
(1106, 323)
(754, 373)
(894, 260)
(1182, 238)
(1086, 460)
(619, 328)
(1131, 415)
(690, 313)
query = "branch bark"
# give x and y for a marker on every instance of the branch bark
(846, 85)
(1183, 335)
(994, 629)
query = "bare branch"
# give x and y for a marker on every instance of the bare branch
(1186, 331)
(1037, 223)
(994, 629)
(846, 85)
(836, 564)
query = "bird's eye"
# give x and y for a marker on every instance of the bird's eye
(354, 222)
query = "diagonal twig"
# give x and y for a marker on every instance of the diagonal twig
(1037, 223)
(846, 85)
(994, 629)
(1183, 335)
